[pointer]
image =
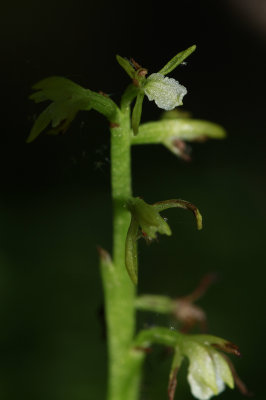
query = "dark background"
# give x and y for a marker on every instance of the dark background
(55, 203)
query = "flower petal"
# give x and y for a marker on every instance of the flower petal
(201, 372)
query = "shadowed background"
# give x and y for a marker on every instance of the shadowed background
(55, 203)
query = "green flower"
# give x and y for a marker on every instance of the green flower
(209, 370)
(148, 218)
(147, 222)
(166, 92)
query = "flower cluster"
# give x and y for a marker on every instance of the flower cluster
(166, 92)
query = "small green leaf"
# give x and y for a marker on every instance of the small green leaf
(107, 271)
(136, 114)
(125, 64)
(176, 60)
(178, 203)
(131, 257)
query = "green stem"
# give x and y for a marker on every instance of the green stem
(124, 364)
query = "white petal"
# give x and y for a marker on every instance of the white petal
(166, 92)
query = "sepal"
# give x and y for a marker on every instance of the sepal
(176, 60)
(126, 65)
(173, 133)
(218, 343)
(178, 203)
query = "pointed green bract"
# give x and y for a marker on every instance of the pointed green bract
(136, 114)
(125, 64)
(176, 60)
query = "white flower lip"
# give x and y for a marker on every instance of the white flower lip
(166, 92)
(208, 372)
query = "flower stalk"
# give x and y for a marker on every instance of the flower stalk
(119, 299)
